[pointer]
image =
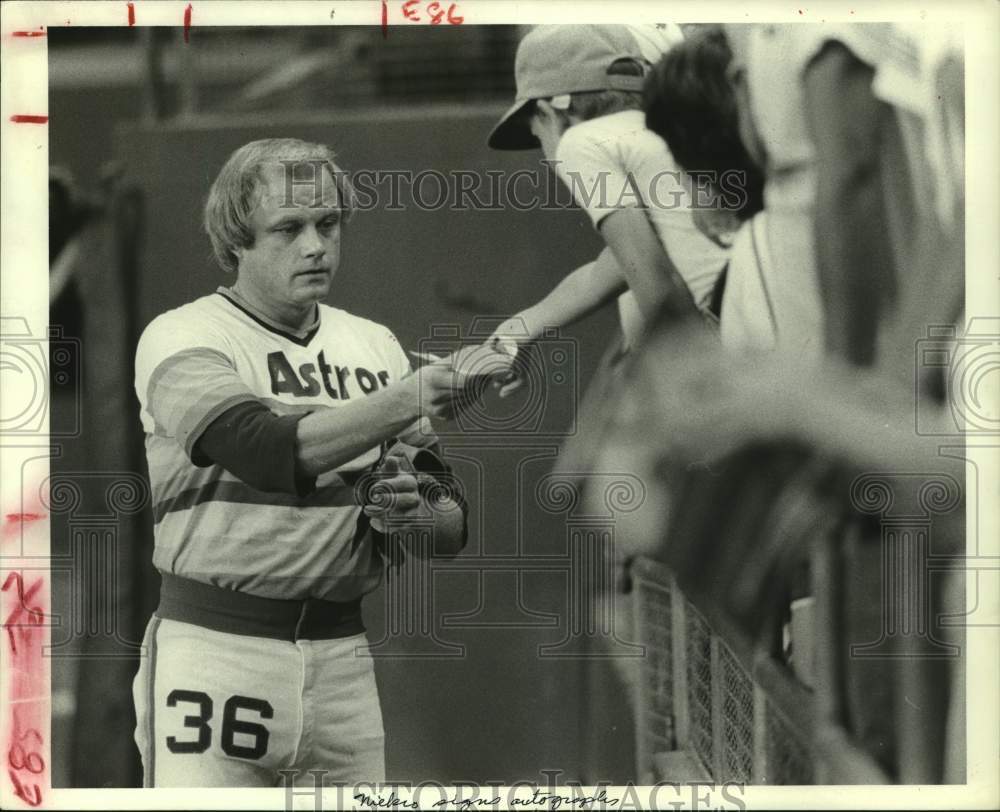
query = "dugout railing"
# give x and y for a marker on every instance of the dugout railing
(703, 707)
(712, 705)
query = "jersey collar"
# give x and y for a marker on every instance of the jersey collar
(300, 337)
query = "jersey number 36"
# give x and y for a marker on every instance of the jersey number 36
(230, 724)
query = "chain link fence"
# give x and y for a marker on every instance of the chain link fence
(700, 711)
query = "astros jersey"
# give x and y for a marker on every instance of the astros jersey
(197, 361)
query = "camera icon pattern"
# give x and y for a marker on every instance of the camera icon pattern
(970, 366)
(33, 371)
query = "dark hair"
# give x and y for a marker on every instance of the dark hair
(590, 104)
(691, 105)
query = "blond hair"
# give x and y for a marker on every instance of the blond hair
(236, 190)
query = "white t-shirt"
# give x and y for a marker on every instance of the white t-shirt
(615, 162)
(747, 321)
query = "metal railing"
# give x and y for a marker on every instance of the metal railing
(711, 707)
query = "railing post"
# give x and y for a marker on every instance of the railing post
(643, 758)
(718, 765)
(682, 719)
(759, 773)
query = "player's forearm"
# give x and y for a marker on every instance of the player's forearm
(328, 438)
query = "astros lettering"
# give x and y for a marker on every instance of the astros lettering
(285, 381)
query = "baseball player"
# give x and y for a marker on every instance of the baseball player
(264, 411)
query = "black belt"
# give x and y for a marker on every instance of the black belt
(232, 612)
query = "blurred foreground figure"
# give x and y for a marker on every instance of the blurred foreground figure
(885, 111)
(760, 469)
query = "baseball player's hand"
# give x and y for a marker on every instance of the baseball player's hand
(438, 390)
(394, 497)
(527, 358)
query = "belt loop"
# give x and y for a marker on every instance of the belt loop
(298, 623)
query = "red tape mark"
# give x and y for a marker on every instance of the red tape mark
(131, 14)
(26, 760)
(187, 23)
(39, 33)
(20, 518)
(35, 616)
(23, 792)
(385, 19)
(23, 119)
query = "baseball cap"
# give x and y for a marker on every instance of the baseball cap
(556, 59)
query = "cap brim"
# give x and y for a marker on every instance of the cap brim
(514, 129)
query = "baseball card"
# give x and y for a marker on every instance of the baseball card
(465, 404)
